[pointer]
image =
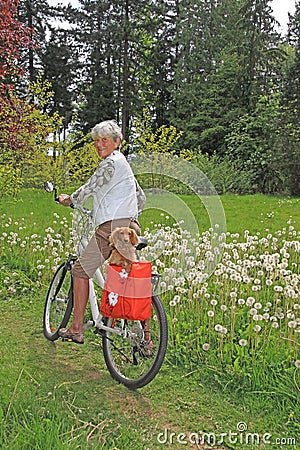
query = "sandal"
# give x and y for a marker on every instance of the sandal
(67, 336)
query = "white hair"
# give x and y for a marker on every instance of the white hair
(107, 128)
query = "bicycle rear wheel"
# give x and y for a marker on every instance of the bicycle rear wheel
(130, 358)
(59, 302)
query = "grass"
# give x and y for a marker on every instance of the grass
(251, 212)
(61, 396)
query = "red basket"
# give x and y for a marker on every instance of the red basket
(128, 296)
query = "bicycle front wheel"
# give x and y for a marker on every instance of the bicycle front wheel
(59, 302)
(136, 357)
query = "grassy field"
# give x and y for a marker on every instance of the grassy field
(229, 396)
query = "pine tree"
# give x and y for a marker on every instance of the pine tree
(290, 138)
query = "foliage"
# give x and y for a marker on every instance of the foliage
(148, 141)
(152, 145)
(24, 124)
(251, 143)
(225, 174)
(82, 161)
(69, 167)
(25, 130)
(10, 180)
(213, 70)
(290, 104)
(14, 36)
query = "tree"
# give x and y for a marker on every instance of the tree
(14, 36)
(58, 65)
(36, 15)
(227, 59)
(290, 107)
(24, 126)
(251, 142)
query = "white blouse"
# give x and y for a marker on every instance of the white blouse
(115, 191)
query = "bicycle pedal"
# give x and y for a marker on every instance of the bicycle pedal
(98, 331)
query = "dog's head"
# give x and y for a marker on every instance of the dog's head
(122, 236)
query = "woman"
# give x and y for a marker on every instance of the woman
(118, 200)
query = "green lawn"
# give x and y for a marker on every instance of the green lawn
(60, 396)
(250, 212)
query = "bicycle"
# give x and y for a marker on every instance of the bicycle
(126, 352)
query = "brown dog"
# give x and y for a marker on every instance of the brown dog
(123, 241)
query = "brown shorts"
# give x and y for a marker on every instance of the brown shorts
(98, 249)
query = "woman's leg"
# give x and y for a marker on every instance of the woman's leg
(81, 295)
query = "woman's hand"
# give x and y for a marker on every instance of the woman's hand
(64, 199)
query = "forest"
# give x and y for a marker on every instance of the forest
(210, 80)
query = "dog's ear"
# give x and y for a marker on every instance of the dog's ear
(113, 237)
(134, 239)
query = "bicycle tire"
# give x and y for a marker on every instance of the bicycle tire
(59, 302)
(125, 357)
